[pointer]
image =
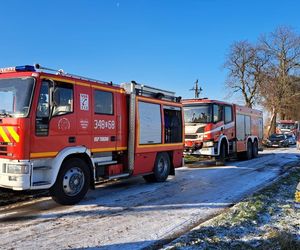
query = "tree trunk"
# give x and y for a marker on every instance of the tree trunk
(272, 128)
(283, 116)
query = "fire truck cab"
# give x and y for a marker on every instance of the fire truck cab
(66, 133)
(217, 130)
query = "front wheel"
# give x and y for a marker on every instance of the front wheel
(220, 161)
(72, 182)
(161, 168)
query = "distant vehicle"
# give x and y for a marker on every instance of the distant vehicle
(277, 140)
(218, 130)
(287, 126)
(292, 138)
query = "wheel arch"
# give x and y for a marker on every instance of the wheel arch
(88, 161)
(69, 153)
(252, 138)
(223, 139)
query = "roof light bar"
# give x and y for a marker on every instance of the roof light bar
(17, 69)
(25, 68)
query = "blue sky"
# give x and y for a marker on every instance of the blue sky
(164, 43)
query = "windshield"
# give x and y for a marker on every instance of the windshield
(277, 136)
(198, 114)
(15, 96)
(286, 126)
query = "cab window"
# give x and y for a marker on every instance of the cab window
(43, 104)
(228, 114)
(43, 110)
(62, 99)
(217, 113)
(103, 103)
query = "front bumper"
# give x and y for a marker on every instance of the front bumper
(275, 145)
(209, 151)
(14, 181)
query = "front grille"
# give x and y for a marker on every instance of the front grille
(190, 136)
(3, 148)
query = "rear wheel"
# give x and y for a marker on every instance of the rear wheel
(255, 149)
(161, 168)
(249, 151)
(72, 182)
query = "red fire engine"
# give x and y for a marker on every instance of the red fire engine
(218, 129)
(66, 133)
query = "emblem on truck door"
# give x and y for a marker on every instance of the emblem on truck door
(63, 124)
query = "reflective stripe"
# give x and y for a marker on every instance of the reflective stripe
(13, 134)
(94, 150)
(3, 135)
(160, 145)
(43, 154)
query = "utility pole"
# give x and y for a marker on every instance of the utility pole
(197, 90)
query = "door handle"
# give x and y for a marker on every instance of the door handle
(72, 139)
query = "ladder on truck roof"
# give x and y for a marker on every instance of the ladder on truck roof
(147, 91)
(61, 72)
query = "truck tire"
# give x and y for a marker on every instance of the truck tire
(72, 182)
(248, 154)
(220, 161)
(255, 149)
(161, 168)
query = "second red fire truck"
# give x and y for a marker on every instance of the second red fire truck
(216, 129)
(65, 133)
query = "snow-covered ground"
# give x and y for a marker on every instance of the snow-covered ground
(131, 214)
(269, 219)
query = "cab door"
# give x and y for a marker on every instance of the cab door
(105, 122)
(55, 120)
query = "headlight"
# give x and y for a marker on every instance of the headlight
(17, 169)
(207, 144)
(200, 130)
(200, 137)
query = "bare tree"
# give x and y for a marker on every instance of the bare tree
(278, 89)
(245, 63)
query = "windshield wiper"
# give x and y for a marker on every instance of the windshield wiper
(3, 113)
